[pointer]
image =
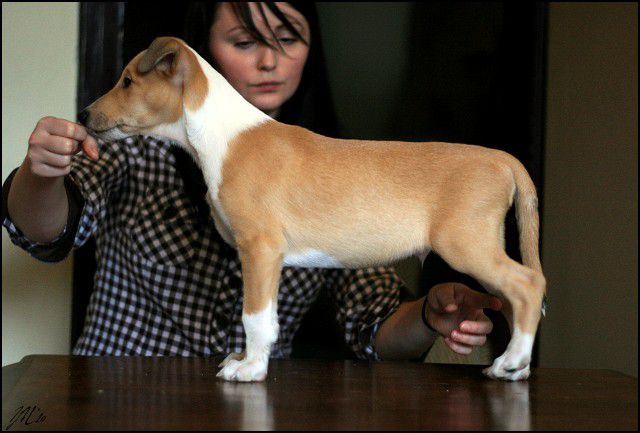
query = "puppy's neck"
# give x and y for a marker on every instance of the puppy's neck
(223, 115)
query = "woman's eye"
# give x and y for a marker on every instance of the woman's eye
(288, 41)
(244, 44)
(126, 82)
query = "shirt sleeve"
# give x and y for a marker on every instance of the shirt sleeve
(89, 186)
(52, 251)
(365, 298)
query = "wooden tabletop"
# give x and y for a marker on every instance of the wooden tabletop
(51, 392)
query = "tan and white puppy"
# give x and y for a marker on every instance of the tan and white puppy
(283, 195)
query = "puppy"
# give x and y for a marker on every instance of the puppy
(285, 196)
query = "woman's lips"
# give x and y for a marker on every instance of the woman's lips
(267, 86)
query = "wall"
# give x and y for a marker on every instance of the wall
(590, 232)
(349, 43)
(39, 74)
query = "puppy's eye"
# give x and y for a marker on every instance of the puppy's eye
(126, 82)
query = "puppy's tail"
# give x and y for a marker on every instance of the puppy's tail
(526, 203)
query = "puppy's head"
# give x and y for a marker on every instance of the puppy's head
(151, 95)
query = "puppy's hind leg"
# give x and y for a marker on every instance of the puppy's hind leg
(261, 258)
(521, 289)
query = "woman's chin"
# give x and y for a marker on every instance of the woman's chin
(267, 104)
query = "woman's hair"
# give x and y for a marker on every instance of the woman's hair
(311, 105)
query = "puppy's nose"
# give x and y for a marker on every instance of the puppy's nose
(83, 117)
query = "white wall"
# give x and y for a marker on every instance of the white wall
(590, 231)
(39, 77)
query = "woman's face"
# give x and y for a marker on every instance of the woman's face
(263, 76)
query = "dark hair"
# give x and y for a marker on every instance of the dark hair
(310, 106)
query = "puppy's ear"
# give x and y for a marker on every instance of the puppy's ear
(172, 57)
(163, 55)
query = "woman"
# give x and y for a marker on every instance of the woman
(166, 284)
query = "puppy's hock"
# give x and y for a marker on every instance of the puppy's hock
(283, 195)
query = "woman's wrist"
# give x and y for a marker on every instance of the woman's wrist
(38, 206)
(403, 335)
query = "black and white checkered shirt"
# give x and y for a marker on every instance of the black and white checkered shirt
(166, 284)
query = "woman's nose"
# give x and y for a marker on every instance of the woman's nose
(268, 59)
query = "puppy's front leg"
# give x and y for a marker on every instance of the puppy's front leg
(261, 258)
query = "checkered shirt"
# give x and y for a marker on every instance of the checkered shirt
(166, 285)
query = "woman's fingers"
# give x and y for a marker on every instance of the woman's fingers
(477, 327)
(460, 348)
(468, 339)
(90, 147)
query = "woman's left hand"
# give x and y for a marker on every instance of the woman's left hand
(455, 311)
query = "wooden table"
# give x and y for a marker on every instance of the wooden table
(113, 393)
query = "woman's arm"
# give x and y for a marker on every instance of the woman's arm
(453, 310)
(403, 335)
(38, 206)
(37, 202)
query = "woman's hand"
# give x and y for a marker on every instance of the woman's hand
(53, 142)
(37, 202)
(455, 311)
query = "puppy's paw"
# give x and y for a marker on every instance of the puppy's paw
(244, 370)
(504, 369)
(516, 375)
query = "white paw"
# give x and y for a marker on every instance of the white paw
(243, 370)
(514, 362)
(504, 368)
